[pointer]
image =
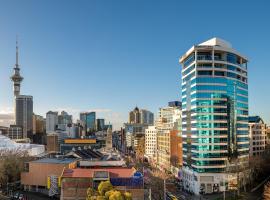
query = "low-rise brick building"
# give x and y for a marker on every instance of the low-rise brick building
(75, 182)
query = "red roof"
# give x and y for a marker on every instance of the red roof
(89, 173)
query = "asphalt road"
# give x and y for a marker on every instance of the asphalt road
(34, 196)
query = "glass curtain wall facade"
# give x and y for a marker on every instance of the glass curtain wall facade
(24, 114)
(215, 107)
(89, 118)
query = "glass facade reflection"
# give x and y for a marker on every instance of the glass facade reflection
(89, 118)
(215, 108)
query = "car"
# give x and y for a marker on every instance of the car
(15, 195)
(22, 197)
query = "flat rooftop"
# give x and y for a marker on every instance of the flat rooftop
(120, 172)
(80, 141)
(104, 163)
(55, 160)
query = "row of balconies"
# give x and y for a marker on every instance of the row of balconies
(224, 56)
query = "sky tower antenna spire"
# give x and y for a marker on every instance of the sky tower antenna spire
(17, 53)
(16, 77)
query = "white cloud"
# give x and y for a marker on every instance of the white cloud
(6, 116)
(6, 119)
(7, 110)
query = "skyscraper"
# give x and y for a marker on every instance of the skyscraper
(139, 120)
(147, 117)
(64, 118)
(134, 116)
(89, 118)
(215, 114)
(51, 121)
(24, 114)
(141, 116)
(39, 129)
(100, 123)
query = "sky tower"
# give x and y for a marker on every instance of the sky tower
(16, 77)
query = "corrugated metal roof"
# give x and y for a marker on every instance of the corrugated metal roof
(56, 160)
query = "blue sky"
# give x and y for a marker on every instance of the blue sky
(112, 55)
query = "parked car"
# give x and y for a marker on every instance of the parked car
(22, 197)
(15, 195)
(18, 196)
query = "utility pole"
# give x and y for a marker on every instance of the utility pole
(164, 189)
(224, 184)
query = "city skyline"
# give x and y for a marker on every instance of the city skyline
(116, 54)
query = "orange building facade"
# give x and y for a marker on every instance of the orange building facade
(35, 176)
(176, 150)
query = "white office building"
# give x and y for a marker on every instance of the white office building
(151, 142)
(51, 121)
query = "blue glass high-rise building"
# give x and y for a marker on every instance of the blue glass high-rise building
(89, 119)
(215, 114)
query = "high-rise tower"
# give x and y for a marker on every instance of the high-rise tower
(215, 115)
(16, 77)
(24, 114)
(23, 103)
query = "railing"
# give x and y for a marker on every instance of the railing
(204, 57)
(218, 58)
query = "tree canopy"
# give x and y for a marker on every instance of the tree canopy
(11, 165)
(106, 191)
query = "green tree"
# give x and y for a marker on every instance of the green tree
(90, 193)
(11, 165)
(128, 196)
(116, 195)
(106, 191)
(104, 186)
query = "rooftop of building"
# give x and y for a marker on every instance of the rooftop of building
(89, 173)
(24, 97)
(55, 160)
(102, 163)
(255, 119)
(32, 149)
(87, 112)
(85, 154)
(80, 141)
(52, 112)
(3, 127)
(215, 42)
